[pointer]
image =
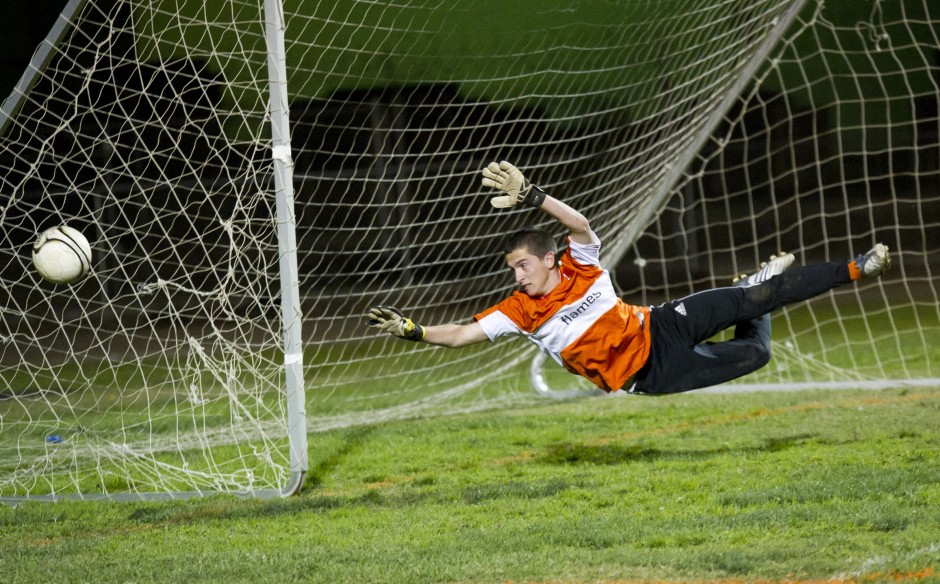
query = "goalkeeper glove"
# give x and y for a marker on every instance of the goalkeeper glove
(508, 178)
(392, 321)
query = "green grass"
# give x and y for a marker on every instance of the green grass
(791, 486)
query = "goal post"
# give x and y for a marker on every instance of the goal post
(291, 316)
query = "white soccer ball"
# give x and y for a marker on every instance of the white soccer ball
(62, 255)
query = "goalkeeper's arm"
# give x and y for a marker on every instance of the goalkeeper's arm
(517, 190)
(454, 335)
(578, 227)
(392, 321)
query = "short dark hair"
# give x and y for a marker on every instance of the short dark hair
(537, 242)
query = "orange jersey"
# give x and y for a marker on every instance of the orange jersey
(581, 323)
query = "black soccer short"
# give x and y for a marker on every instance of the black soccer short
(681, 359)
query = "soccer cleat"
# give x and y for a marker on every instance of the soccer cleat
(875, 262)
(777, 265)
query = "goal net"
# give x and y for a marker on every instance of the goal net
(697, 137)
(170, 370)
(834, 146)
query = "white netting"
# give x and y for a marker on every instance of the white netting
(596, 101)
(147, 129)
(834, 147)
(162, 371)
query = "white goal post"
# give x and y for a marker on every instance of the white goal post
(254, 175)
(291, 316)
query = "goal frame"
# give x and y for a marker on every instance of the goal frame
(291, 316)
(691, 134)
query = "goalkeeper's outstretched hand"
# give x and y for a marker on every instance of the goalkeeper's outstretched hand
(392, 321)
(509, 179)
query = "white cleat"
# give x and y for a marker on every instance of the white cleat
(777, 265)
(875, 262)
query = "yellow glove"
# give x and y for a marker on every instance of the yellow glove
(392, 321)
(509, 179)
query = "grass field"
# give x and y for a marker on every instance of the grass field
(771, 487)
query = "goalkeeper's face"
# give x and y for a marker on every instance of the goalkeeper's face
(536, 276)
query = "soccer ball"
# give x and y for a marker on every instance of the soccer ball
(62, 255)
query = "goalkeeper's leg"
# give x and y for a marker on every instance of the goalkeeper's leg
(713, 311)
(681, 360)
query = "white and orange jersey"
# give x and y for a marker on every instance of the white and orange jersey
(581, 323)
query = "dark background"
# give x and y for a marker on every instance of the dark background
(22, 27)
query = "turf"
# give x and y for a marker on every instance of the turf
(773, 487)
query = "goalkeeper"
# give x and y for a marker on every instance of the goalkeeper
(566, 304)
